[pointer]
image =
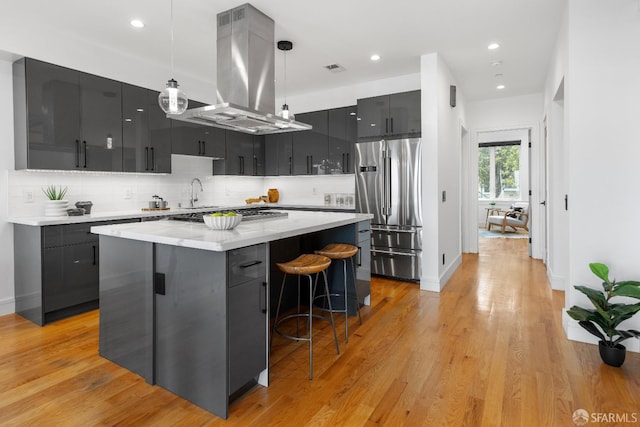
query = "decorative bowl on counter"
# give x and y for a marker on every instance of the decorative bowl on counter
(224, 222)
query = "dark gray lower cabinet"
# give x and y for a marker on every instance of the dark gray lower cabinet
(247, 315)
(191, 321)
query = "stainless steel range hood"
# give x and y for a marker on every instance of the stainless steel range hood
(245, 66)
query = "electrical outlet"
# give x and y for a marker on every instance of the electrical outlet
(27, 196)
(128, 193)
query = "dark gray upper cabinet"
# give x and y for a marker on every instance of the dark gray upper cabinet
(342, 136)
(279, 154)
(396, 115)
(310, 147)
(197, 140)
(245, 155)
(66, 119)
(146, 132)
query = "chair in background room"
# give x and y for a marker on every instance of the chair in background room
(517, 217)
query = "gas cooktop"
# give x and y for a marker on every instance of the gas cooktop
(247, 215)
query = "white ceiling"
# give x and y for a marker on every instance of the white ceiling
(345, 32)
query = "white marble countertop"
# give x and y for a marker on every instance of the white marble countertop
(198, 236)
(115, 215)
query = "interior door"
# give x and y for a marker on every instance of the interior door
(369, 168)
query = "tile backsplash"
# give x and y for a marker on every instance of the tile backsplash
(111, 192)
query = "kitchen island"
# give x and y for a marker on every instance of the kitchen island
(187, 307)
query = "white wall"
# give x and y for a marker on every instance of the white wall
(6, 163)
(441, 162)
(602, 88)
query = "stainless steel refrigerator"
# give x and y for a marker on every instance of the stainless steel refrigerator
(388, 185)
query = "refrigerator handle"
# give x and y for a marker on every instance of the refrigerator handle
(387, 180)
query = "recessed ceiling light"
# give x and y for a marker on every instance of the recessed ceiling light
(375, 57)
(500, 87)
(493, 46)
(136, 23)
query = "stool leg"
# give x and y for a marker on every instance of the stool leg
(275, 320)
(355, 289)
(333, 325)
(310, 326)
(297, 318)
(346, 301)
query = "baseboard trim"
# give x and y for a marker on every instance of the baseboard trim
(7, 306)
(558, 283)
(436, 285)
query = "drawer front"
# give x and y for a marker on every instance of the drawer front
(396, 263)
(68, 234)
(247, 264)
(405, 238)
(364, 231)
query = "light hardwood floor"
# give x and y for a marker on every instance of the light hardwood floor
(488, 350)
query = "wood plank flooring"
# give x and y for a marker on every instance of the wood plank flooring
(488, 350)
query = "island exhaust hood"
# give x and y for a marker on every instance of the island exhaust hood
(245, 66)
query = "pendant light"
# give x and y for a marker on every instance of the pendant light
(172, 100)
(284, 46)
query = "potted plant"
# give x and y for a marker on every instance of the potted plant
(55, 193)
(604, 319)
(55, 204)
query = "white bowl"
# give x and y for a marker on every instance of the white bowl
(222, 222)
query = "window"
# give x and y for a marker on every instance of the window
(499, 170)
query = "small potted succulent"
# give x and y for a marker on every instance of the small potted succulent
(55, 205)
(604, 319)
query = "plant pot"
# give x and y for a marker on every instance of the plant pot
(612, 356)
(56, 207)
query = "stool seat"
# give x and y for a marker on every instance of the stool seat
(338, 251)
(305, 264)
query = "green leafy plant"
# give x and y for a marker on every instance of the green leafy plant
(54, 193)
(604, 319)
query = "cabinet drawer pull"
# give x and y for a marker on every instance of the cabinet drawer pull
(263, 298)
(250, 263)
(94, 255)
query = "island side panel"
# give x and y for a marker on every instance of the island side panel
(191, 326)
(27, 247)
(126, 304)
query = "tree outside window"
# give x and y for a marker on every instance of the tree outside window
(499, 170)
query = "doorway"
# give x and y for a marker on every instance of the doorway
(496, 189)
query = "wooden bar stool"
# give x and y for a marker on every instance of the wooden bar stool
(342, 252)
(305, 265)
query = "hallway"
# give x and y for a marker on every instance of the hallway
(488, 350)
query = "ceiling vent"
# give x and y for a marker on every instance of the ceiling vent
(335, 68)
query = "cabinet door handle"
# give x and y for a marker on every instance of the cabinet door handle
(290, 166)
(344, 168)
(391, 124)
(77, 153)
(255, 166)
(386, 125)
(263, 297)
(250, 263)
(94, 255)
(204, 148)
(348, 162)
(153, 160)
(359, 262)
(84, 146)
(146, 158)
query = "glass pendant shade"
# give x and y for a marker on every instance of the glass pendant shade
(173, 100)
(285, 113)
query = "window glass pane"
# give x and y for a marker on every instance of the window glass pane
(484, 173)
(507, 170)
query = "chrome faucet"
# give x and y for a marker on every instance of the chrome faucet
(194, 198)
